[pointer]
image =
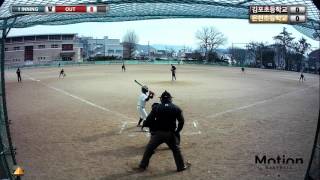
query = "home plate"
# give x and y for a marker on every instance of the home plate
(130, 129)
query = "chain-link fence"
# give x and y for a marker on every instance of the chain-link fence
(7, 159)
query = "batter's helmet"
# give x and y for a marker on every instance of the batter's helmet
(144, 89)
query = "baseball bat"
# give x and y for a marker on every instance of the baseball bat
(142, 85)
(138, 83)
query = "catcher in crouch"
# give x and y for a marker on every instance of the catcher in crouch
(143, 98)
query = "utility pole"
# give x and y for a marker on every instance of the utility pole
(232, 56)
(148, 50)
(261, 57)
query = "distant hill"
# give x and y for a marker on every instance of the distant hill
(175, 47)
(223, 51)
(144, 48)
(164, 47)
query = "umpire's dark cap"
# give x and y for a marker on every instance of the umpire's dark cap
(165, 95)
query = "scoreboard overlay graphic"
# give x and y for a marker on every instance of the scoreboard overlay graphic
(282, 14)
(67, 9)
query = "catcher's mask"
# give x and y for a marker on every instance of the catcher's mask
(144, 89)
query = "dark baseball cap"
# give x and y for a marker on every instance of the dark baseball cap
(165, 95)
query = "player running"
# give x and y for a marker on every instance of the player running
(302, 78)
(173, 72)
(62, 73)
(143, 98)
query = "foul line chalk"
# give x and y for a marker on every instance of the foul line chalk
(86, 101)
(257, 103)
(81, 99)
(31, 78)
(123, 127)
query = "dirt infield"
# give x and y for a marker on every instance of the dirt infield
(83, 126)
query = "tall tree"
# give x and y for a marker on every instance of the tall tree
(170, 52)
(285, 40)
(130, 41)
(256, 49)
(210, 39)
(301, 47)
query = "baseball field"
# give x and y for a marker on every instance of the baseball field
(83, 126)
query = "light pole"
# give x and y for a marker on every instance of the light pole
(232, 46)
(148, 50)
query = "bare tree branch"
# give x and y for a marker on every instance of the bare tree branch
(130, 41)
(210, 39)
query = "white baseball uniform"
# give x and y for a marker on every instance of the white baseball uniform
(141, 106)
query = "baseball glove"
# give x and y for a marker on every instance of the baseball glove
(151, 94)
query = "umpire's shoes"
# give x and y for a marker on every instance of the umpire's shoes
(186, 166)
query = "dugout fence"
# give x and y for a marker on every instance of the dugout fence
(7, 151)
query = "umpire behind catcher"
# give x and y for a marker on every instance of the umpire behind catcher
(162, 123)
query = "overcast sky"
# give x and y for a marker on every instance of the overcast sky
(172, 31)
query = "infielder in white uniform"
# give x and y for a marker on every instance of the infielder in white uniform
(143, 98)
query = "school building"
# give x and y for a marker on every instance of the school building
(42, 49)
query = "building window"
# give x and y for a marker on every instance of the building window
(110, 51)
(54, 46)
(118, 51)
(41, 58)
(67, 47)
(66, 58)
(41, 46)
(16, 48)
(42, 38)
(17, 39)
(29, 38)
(5, 49)
(54, 37)
(8, 40)
(67, 37)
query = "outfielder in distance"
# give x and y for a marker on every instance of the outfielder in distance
(18, 74)
(173, 72)
(143, 98)
(123, 67)
(302, 78)
(62, 73)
